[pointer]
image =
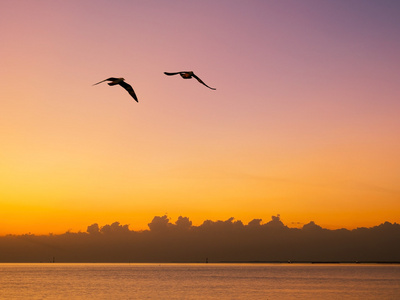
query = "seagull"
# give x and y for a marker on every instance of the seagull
(188, 75)
(121, 82)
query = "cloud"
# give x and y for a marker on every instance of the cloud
(183, 223)
(221, 240)
(93, 229)
(115, 228)
(311, 226)
(159, 224)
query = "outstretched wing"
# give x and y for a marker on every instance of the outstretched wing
(129, 89)
(201, 81)
(110, 79)
(170, 74)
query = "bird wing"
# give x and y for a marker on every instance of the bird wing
(129, 89)
(170, 74)
(111, 79)
(201, 81)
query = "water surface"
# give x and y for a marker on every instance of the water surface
(199, 281)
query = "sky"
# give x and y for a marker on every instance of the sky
(303, 122)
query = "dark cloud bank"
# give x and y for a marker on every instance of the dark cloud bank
(219, 241)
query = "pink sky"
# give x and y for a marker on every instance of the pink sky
(304, 122)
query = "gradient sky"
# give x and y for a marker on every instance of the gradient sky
(304, 122)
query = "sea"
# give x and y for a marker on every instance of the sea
(199, 281)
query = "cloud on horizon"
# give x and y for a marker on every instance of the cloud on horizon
(217, 241)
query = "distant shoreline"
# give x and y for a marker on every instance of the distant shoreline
(311, 262)
(223, 262)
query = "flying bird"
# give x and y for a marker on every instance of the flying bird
(121, 82)
(188, 75)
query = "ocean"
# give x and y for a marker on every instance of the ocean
(199, 281)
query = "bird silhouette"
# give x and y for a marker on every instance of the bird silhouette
(188, 75)
(121, 82)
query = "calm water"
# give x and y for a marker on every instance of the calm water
(199, 281)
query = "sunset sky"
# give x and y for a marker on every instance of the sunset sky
(305, 121)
